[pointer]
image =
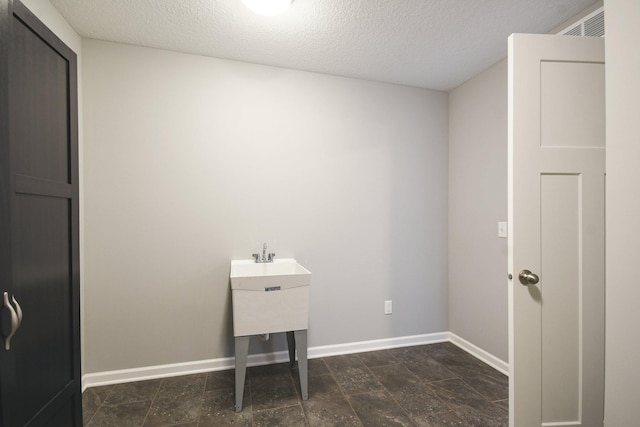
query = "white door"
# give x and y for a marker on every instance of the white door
(556, 230)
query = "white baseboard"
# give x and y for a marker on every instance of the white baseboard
(362, 346)
(153, 372)
(199, 366)
(479, 353)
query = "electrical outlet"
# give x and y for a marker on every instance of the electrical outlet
(388, 308)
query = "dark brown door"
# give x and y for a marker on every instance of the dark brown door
(39, 260)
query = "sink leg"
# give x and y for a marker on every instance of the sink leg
(242, 350)
(291, 344)
(301, 346)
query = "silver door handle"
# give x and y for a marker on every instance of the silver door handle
(16, 318)
(528, 278)
(18, 310)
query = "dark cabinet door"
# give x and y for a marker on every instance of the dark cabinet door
(39, 258)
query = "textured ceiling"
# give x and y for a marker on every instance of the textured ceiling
(436, 44)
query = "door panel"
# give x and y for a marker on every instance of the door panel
(40, 374)
(556, 220)
(42, 281)
(570, 94)
(40, 96)
(561, 289)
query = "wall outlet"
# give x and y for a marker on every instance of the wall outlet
(388, 307)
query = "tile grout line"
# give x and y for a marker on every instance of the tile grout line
(204, 390)
(394, 400)
(151, 403)
(97, 409)
(447, 405)
(478, 391)
(293, 383)
(388, 392)
(462, 379)
(206, 381)
(385, 388)
(451, 408)
(86, 423)
(251, 399)
(346, 398)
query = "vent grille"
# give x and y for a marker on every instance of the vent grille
(594, 27)
(575, 31)
(591, 25)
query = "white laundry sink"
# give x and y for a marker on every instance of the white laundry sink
(269, 297)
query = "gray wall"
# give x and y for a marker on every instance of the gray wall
(477, 201)
(623, 212)
(341, 133)
(623, 230)
(193, 161)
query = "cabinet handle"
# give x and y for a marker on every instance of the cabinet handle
(18, 310)
(16, 318)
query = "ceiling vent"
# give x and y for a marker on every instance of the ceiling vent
(591, 25)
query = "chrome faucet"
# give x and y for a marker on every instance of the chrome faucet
(265, 257)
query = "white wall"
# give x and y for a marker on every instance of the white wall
(477, 201)
(623, 212)
(193, 161)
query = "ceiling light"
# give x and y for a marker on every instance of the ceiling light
(268, 7)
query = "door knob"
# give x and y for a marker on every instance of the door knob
(528, 278)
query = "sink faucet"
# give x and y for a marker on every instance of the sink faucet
(265, 257)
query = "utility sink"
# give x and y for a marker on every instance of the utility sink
(269, 297)
(251, 275)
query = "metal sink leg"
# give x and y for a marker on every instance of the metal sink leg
(242, 350)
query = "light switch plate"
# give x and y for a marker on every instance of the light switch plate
(502, 229)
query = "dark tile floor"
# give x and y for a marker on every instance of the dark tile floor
(428, 385)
